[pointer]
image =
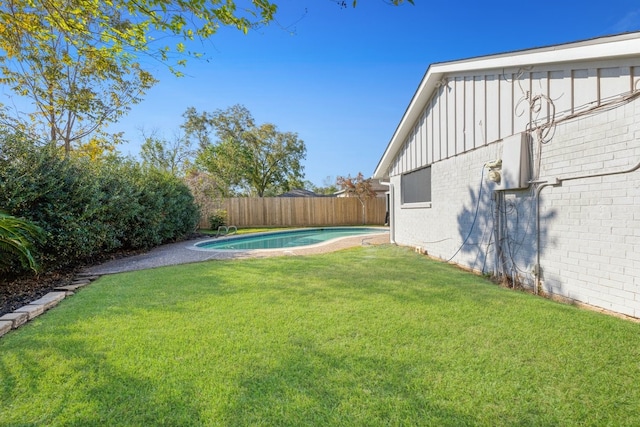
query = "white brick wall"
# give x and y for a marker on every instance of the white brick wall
(590, 228)
(591, 254)
(442, 228)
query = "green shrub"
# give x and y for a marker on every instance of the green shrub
(217, 219)
(87, 208)
(168, 210)
(119, 205)
(56, 194)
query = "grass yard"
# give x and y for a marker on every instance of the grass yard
(371, 336)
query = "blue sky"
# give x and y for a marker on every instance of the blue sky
(342, 77)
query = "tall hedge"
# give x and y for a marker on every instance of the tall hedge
(88, 208)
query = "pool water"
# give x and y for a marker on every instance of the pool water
(286, 239)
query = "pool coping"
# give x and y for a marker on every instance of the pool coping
(183, 253)
(363, 237)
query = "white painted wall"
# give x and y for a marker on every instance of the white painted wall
(591, 250)
(441, 228)
(590, 228)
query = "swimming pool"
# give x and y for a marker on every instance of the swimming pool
(286, 239)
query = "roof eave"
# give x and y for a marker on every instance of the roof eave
(617, 46)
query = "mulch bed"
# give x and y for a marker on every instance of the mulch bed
(19, 292)
(15, 293)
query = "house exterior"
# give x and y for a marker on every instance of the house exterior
(526, 165)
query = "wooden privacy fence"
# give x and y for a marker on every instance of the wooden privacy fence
(299, 211)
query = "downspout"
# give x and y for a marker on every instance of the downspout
(392, 215)
(558, 182)
(536, 267)
(499, 270)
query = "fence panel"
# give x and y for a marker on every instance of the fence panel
(299, 211)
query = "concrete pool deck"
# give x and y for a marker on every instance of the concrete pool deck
(183, 253)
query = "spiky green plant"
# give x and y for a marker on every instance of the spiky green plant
(17, 237)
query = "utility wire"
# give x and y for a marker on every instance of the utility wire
(475, 217)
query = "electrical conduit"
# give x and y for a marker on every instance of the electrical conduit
(558, 182)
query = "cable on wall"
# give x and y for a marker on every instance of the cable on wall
(475, 216)
(513, 246)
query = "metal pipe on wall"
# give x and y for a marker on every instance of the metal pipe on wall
(390, 209)
(558, 182)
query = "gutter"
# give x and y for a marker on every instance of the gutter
(392, 215)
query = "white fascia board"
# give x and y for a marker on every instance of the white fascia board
(597, 49)
(620, 46)
(413, 111)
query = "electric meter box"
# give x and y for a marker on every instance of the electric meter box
(516, 163)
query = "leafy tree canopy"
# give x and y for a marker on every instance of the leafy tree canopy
(358, 187)
(171, 156)
(78, 62)
(125, 27)
(354, 3)
(246, 158)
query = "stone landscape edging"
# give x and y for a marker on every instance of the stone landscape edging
(24, 314)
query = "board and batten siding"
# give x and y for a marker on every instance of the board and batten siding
(468, 111)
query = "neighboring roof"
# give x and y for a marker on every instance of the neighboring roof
(298, 192)
(616, 46)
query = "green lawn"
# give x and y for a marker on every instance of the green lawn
(372, 336)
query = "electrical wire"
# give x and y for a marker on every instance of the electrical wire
(488, 250)
(475, 217)
(510, 241)
(544, 131)
(438, 241)
(483, 255)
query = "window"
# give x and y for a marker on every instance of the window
(416, 186)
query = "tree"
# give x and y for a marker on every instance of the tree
(95, 149)
(246, 158)
(274, 160)
(77, 61)
(76, 90)
(226, 124)
(218, 135)
(126, 28)
(343, 3)
(357, 187)
(227, 163)
(328, 186)
(16, 241)
(206, 191)
(173, 157)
